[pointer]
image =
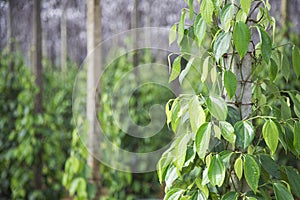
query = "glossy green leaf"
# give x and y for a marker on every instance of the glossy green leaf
(241, 38)
(221, 44)
(176, 68)
(245, 5)
(175, 111)
(174, 194)
(296, 60)
(244, 133)
(217, 107)
(281, 192)
(225, 157)
(270, 134)
(186, 70)
(230, 196)
(171, 176)
(207, 10)
(199, 29)
(197, 114)
(180, 151)
(226, 16)
(294, 180)
(172, 34)
(202, 139)
(199, 195)
(238, 168)
(266, 44)
(252, 172)
(181, 27)
(216, 171)
(227, 132)
(230, 83)
(296, 142)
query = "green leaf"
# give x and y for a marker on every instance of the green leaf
(168, 113)
(230, 83)
(186, 70)
(230, 196)
(202, 139)
(200, 29)
(217, 107)
(270, 134)
(172, 34)
(286, 71)
(281, 192)
(285, 109)
(273, 70)
(191, 6)
(296, 102)
(199, 195)
(207, 10)
(222, 44)
(238, 168)
(216, 171)
(296, 142)
(180, 151)
(176, 68)
(226, 16)
(241, 16)
(171, 176)
(181, 27)
(294, 180)
(270, 165)
(175, 111)
(227, 132)
(296, 60)
(162, 166)
(197, 114)
(244, 133)
(241, 38)
(245, 4)
(205, 69)
(252, 172)
(266, 44)
(174, 194)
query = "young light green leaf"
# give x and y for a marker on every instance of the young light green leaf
(252, 172)
(222, 44)
(230, 196)
(296, 60)
(197, 114)
(202, 139)
(217, 107)
(227, 132)
(207, 10)
(172, 34)
(214, 75)
(162, 166)
(241, 16)
(216, 171)
(191, 6)
(230, 83)
(296, 142)
(181, 27)
(281, 192)
(245, 4)
(186, 70)
(270, 134)
(244, 133)
(199, 29)
(241, 38)
(238, 168)
(176, 68)
(180, 151)
(266, 44)
(226, 16)
(205, 69)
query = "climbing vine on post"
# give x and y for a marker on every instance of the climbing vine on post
(230, 134)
